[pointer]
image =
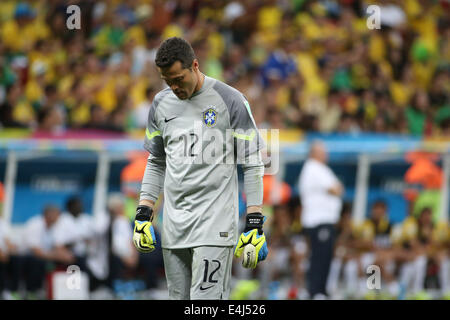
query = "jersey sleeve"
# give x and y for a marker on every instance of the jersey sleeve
(153, 141)
(248, 144)
(153, 179)
(244, 130)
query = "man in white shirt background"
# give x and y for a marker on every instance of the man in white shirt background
(77, 230)
(44, 246)
(320, 192)
(123, 258)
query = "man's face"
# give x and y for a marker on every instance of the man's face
(319, 152)
(76, 208)
(324, 155)
(378, 212)
(425, 217)
(181, 80)
(51, 216)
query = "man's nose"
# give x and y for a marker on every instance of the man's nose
(174, 87)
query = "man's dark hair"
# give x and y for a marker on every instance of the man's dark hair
(175, 49)
(74, 204)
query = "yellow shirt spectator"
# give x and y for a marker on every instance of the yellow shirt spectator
(441, 234)
(80, 114)
(400, 93)
(137, 34)
(172, 30)
(410, 229)
(269, 18)
(216, 45)
(106, 96)
(22, 38)
(377, 48)
(269, 22)
(23, 112)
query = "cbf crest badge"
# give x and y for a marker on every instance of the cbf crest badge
(210, 117)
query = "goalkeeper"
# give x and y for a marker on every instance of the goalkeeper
(195, 117)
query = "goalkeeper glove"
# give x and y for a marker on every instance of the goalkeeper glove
(144, 235)
(252, 241)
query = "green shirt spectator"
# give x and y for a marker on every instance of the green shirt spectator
(416, 121)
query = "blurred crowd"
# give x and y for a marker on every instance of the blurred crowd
(309, 65)
(413, 256)
(374, 259)
(99, 245)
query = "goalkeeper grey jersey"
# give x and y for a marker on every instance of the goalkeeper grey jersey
(195, 146)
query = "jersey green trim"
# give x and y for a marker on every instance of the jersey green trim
(244, 136)
(150, 136)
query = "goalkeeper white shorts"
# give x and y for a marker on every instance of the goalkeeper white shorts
(200, 273)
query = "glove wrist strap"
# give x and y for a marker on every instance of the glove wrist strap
(144, 213)
(254, 220)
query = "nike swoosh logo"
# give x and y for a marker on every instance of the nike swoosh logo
(167, 120)
(201, 288)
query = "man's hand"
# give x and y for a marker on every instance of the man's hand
(337, 190)
(144, 235)
(253, 236)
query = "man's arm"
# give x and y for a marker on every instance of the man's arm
(58, 253)
(253, 232)
(248, 144)
(148, 203)
(252, 209)
(153, 180)
(253, 183)
(152, 183)
(144, 238)
(336, 190)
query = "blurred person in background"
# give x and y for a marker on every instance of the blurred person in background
(140, 113)
(78, 225)
(375, 247)
(439, 254)
(98, 118)
(404, 235)
(24, 28)
(298, 251)
(123, 258)
(320, 192)
(340, 284)
(50, 122)
(412, 241)
(45, 249)
(429, 257)
(7, 108)
(417, 113)
(420, 248)
(97, 254)
(278, 269)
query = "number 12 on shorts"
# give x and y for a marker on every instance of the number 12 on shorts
(208, 277)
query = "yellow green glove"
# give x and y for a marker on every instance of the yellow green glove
(252, 242)
(144, 234)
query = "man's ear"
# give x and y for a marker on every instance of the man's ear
(195, 65)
